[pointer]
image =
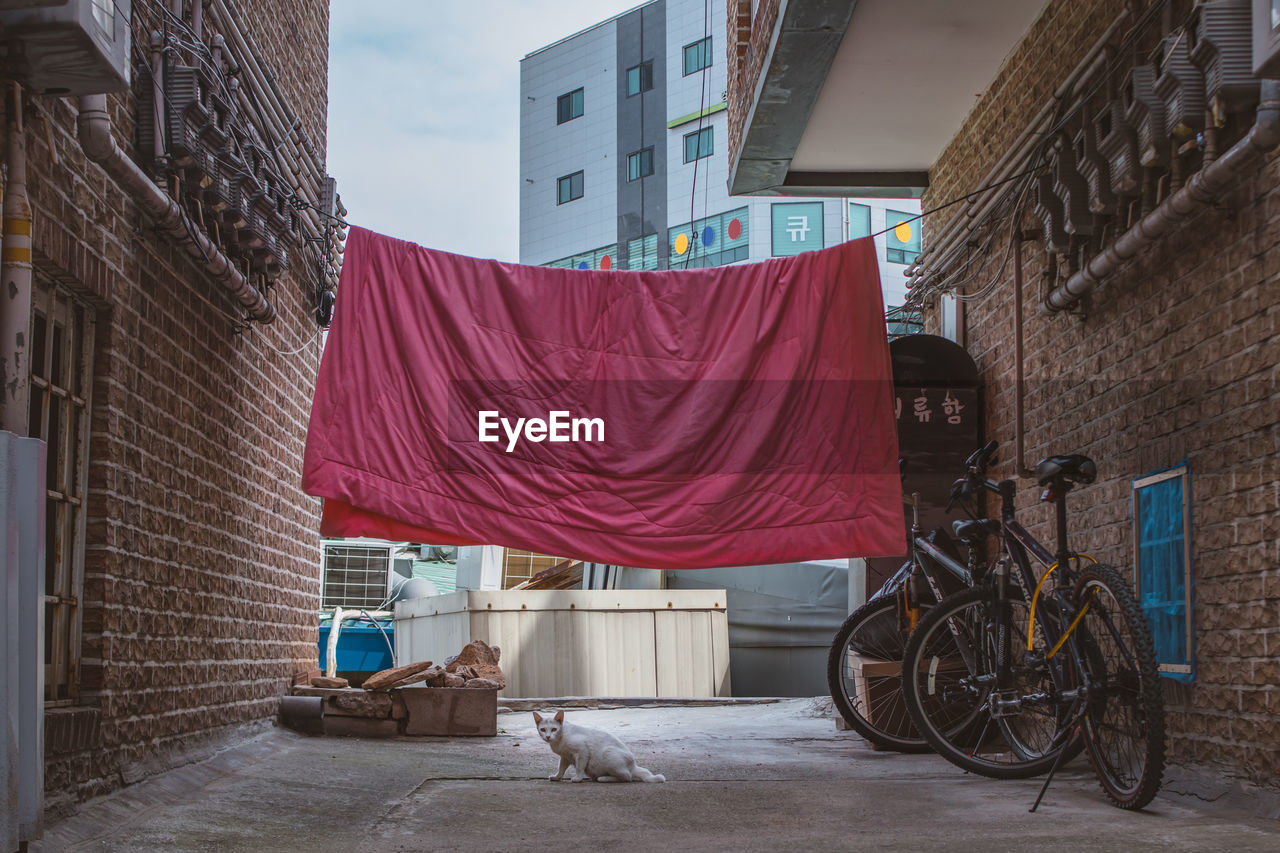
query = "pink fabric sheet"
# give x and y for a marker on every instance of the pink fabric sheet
(747, 410)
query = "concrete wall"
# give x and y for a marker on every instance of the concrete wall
(202, 553)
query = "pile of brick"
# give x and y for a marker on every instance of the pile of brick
(383, 707)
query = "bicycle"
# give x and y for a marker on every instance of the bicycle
(1085, 677)
(865, 660)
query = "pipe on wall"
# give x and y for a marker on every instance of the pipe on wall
(1202, 189)
(15, 277)
(93, 127)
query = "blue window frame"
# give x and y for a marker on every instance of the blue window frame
(697, 56)
(640, 164)
(639, 78)
(569, 188)
(1162, 556)
(699, 144)
(569, 106)
(859, 221)
(902, 242)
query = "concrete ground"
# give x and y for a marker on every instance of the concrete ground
(765, 777)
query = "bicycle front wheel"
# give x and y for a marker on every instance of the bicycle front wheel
(950, 677)
(863, 669)
(1124, 729)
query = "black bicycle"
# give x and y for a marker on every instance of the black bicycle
(864, 664)
(1051, 664)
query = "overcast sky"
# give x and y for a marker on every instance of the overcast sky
(424, 128)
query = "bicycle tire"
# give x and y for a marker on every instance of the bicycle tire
(1124, 729)
(873, 709)
(947, 695)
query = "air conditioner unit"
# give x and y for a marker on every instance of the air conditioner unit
(73, 47)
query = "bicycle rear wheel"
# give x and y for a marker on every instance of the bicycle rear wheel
(949, 683)
(1124, 729)
(863, 673)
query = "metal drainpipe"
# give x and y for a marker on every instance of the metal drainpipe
(1203, 188)
(93, 127)
(15, 276)
(1019, 390)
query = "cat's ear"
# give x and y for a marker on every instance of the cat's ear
(559, 716)
(537, 718)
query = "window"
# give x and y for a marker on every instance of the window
(796, 228)
(569, 188)
(859, 221)
(639, 78)
(642, 253)
(698, 144)
(355, 576)
(902, 243)
(1162, 546)
(640, 164)
(710, 242)
(596, 259)
(697, 56)
(569, 107)
(62, 330)
(520, 566)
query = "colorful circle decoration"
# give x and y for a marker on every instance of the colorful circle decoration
(708, 236)
(606, 263)
(903, 232)
(682, 243)
(582, 265)
(735, 228)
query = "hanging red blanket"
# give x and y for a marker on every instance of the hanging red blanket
(737, 415)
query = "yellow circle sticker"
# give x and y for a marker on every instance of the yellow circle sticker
(682, 243)
(903, 232)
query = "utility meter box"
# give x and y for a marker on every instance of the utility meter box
(71, 47)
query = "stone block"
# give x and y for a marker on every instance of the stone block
(329, 683)
(387, 677)
(451, 712)
(360, 727)
(359, 703)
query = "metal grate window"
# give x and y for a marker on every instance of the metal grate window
(62, 329)
(355, 576)
(518, 566)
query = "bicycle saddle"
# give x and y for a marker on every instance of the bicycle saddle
(971, 530)
(1072, 468)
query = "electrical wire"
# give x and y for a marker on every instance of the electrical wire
(697, 142)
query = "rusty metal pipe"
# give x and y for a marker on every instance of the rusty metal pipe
(15, 277)
(1203, 188)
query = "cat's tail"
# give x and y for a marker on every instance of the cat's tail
(642, 775)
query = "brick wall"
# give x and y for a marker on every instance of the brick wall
(747, 42)
(1174, 358)
(202, 552)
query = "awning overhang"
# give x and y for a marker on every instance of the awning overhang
(859, 97)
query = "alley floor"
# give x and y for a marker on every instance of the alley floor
(775, 776)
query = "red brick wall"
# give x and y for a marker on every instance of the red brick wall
(747, 43)
(1174, 358)
(202, 563)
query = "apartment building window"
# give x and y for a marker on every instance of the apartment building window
(640, 164)
(710, 242)
(902, 243)
(355, 575)
(797, 227)
(569, 106)
(595, 259)
(62, 331)
(1162, 555)
(697, 56)
(642, 253)
(859, 221)
(639, 78)
(569, 188)
(698, 144)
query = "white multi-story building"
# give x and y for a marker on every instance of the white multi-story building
(624, 162)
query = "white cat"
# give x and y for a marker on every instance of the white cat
(592, 753)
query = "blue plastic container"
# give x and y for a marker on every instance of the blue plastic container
(361, 647)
